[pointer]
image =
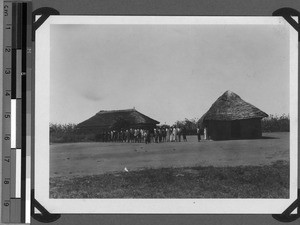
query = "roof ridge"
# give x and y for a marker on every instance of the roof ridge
(107, 118)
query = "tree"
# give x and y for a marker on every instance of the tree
(189, 125)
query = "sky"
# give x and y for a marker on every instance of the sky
(167, 72)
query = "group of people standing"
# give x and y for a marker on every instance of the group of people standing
(155, 135)
(174, 134)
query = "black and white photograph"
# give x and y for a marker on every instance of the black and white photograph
(166, 114)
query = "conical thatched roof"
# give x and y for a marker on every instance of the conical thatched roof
(107, 118)
(230, 106)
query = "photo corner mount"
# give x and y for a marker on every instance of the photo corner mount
(44, 12)
(44, 216)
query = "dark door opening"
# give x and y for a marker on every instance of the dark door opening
(235, 129)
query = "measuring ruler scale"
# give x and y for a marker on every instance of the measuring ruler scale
(15, 150)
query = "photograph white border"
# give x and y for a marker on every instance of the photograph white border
(151, 206)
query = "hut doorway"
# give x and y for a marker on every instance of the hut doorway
(235, 129)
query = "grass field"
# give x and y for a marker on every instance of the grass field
(270, 181)
(209, 169)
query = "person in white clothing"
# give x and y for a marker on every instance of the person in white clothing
(179, 134)
(175, 134)
(171, 135)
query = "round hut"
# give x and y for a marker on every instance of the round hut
(230, 117)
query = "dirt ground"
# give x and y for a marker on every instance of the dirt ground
(98, 158)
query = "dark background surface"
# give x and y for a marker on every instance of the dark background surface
(168, 7)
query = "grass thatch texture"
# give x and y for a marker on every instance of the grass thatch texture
(106, 119)
(276, 123)
(230, 106)
(269, 181)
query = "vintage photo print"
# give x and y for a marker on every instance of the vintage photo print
(166, 114)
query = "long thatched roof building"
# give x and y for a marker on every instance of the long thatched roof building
(117, 119)
(230, 117)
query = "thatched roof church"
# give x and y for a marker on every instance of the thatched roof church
(117, 119)
(230, 117)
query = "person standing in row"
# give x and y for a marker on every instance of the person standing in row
(174, 134)
(147, 139)
(155, 136)
(164, 134)
(179, 133)
(159, 135)
(168, 134)
(127, 135)
(112, 135)
(171, 134)
(198, 134)
(183, 131)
